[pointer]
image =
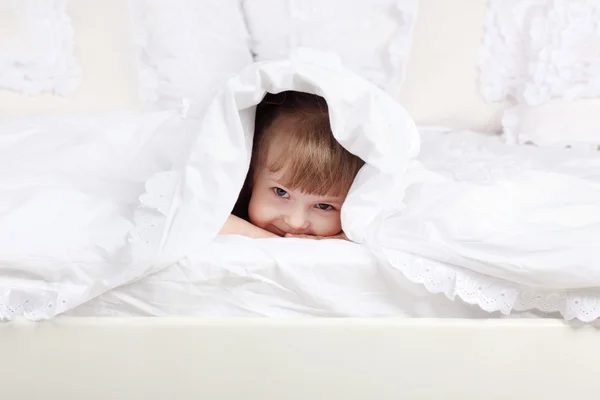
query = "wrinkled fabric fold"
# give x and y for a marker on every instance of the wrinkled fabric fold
(87, 210)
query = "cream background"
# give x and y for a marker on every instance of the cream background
(441, 85)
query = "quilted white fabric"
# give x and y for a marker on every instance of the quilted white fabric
(541, 50)
(545, 54)
(504, 57)
(372, 38)
(187, 49)
(37, 47)
(564, 39)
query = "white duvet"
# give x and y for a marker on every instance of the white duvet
(87, 207)
(276, 278)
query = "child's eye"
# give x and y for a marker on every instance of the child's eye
(280, 192)
(324, 207)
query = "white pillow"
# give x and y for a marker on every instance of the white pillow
(537, 51)
(564, 39)
(37, 47)
(105, 56)
(558, 72)
(188, 48)
(555, 124)
(371, 37)
(504, 55)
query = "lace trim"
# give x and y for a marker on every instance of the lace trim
(151, 216)
(37, 54)
(27, 291)
(488, 292)
(176, 213)
(494, 294)
(32, 304)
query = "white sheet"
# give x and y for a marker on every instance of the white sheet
(505, 227)
(276, 278)
(69, 187)
(290, 277)
(470, 217)
(76, 220)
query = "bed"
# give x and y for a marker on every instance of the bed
(197, 328)
(183, 358)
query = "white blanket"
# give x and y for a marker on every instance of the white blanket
(276, 278)
(504, 227)
(494, 224)
(291, 277)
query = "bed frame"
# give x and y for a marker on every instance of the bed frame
(277, 359)
(294, 359)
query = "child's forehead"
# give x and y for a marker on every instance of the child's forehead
(275, 145)
(276, 151)
(266, 173)
(276, 133)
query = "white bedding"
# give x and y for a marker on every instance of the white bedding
(276, 278)
(504, 227)
(291, 277)
(92, 205)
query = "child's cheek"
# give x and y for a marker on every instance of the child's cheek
(255, 211)
(329, 225)
(263, 208)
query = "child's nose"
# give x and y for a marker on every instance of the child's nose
(297, 220)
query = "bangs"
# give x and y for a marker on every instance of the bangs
(308, 156)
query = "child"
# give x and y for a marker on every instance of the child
(299, 174)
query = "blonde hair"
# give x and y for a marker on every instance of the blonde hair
(297, 126)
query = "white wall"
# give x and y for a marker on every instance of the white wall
(441, 85)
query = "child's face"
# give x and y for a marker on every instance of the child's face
(279, 210)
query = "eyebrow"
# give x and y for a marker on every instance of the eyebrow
(321, 199)
(331, 200)
(274, 180)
